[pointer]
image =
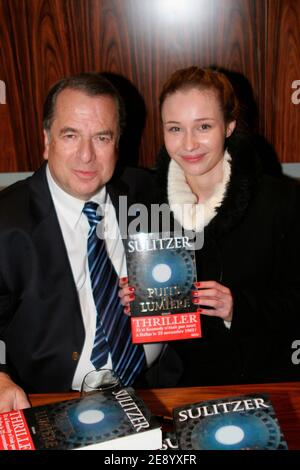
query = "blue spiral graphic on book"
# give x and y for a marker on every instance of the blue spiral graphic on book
(234, 431)
(83, 422)
(164, 268)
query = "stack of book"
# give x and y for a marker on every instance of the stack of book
(105, 420)
(120, 420)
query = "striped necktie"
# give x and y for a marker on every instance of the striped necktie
(113, 334)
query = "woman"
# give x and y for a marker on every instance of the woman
(248, 268)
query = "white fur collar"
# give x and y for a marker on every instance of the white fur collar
(183, 202)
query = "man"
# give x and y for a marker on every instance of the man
(51, 294)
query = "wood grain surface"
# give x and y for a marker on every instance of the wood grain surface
(284, 396)
(142, 43)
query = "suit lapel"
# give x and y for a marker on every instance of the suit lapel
(49, 242)
(122, 197)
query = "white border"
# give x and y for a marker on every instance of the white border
(9, 178)
(291, 169)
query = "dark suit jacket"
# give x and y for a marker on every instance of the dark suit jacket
(252, 247)
(40, 317)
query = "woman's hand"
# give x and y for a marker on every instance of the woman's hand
(126, 294)
(215, 295)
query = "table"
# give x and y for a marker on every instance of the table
(284, 396)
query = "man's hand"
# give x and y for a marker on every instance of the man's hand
(12, 397)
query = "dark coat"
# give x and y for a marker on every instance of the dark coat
(252, 246)
(40, 316)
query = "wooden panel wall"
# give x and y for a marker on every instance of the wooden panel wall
(144, 41)
(282, 118)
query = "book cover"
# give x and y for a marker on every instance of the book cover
(232, 423)
(169, 441)
(162, 269)
(104, 420)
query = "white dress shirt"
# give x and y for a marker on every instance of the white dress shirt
(75, 228)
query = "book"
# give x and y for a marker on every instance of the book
(110, 420)
(233, 423)
(169, 441)
(162, 269)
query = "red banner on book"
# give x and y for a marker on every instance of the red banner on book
(156, 328)
(14, 432)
